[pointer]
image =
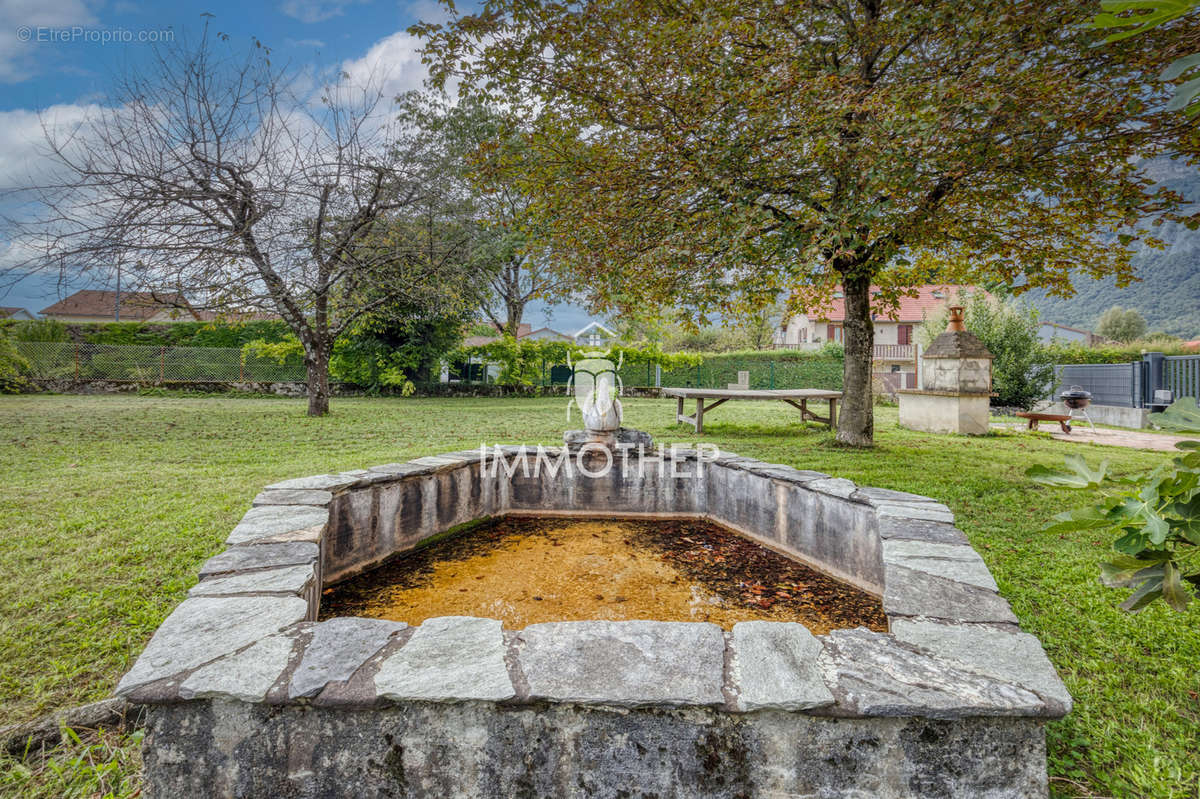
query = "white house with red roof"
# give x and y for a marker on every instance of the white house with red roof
(895, 328)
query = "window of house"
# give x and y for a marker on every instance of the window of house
(904, 334)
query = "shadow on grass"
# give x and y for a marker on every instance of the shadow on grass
(731, 430)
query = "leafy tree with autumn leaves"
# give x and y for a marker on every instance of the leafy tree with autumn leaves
(1126, 18)
(718, 154)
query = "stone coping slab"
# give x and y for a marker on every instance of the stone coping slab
(623, 663)
(246, 632)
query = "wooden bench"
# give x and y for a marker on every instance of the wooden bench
(1063, 419)
(797, 397)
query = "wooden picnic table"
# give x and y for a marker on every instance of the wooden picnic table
(796, 397)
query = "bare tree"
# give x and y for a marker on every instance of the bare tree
(217, 175)
(518, 280)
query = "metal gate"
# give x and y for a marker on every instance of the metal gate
(1183, 375)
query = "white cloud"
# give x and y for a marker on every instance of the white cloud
(392, 64)
(24, 160)
(25, 163)
(429, 11)
(21, 55)
(312, 11)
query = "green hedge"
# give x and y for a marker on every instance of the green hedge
(830, 351)
(1120, 353)
(765, 373)
(769, 369)
(178, 334)
(533, 362)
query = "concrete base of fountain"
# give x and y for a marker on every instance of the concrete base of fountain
(622, 438)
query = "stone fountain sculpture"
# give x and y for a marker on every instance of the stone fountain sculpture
(595, 388)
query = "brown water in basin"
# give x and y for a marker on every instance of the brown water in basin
(529, 570)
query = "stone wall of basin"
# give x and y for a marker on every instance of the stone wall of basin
(249, 696)
(823, 521)
(449, 750)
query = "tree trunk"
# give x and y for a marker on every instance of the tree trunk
(856, 424)
(514, 312)
(316, 362)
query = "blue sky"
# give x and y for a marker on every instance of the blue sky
(58, 56)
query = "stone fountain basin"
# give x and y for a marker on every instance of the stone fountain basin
(249, 696)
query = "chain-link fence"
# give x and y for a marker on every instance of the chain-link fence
(54, 360)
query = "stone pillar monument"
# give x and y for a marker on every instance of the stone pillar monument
(956, 384)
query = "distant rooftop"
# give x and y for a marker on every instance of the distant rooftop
(136, 306)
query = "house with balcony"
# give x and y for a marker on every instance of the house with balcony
(895, 329)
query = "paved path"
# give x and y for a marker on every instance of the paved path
(1133, 439)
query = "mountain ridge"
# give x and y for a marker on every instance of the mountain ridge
(1168, 290)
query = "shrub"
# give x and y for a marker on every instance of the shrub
(12, 365)
(1121, 324)
(1056, 352)
(40, 330)
(176, 334)
(768, 369)
(396, 349)
(1156, 521)
(273, 360)
(527, 361)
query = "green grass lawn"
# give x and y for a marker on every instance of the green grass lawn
(109, 504)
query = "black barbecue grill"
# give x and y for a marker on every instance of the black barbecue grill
(1077, 399)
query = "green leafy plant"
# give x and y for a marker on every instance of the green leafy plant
(39, 330)
(12, 365)
(1182, 415)
(1155, 518)
(1139, 16)
(1078, 352)
(280, 352)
